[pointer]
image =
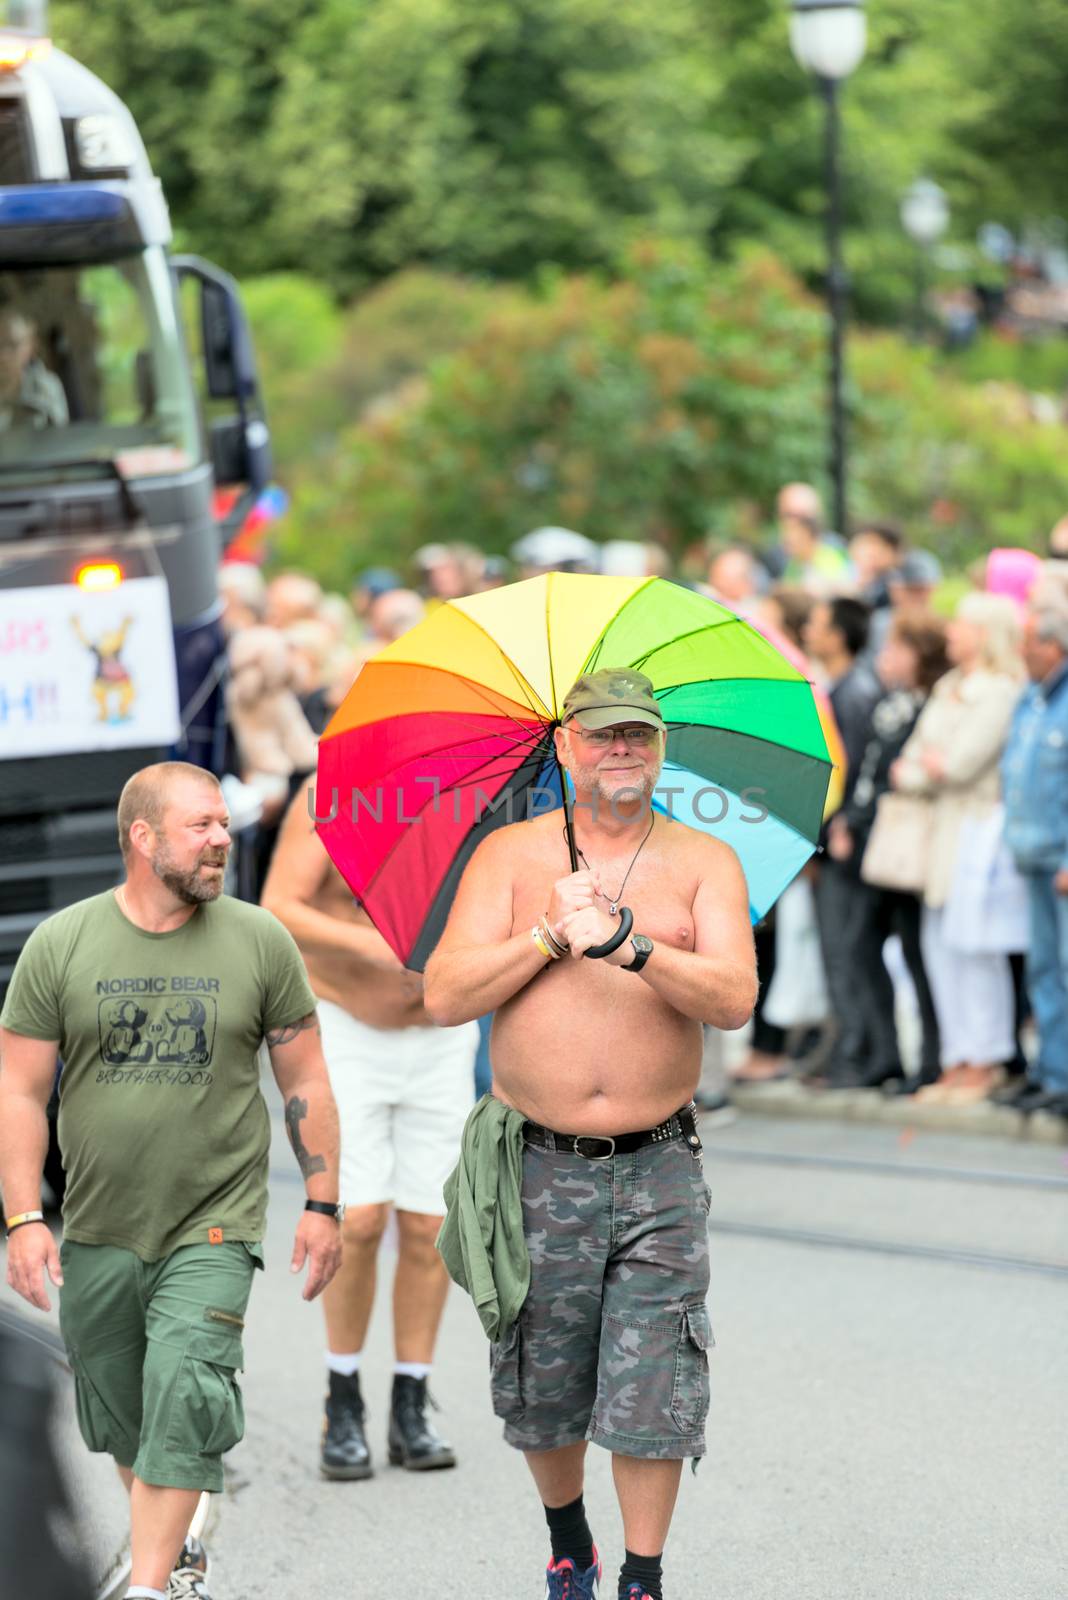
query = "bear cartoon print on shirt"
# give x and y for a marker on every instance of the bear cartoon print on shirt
(158, 1022)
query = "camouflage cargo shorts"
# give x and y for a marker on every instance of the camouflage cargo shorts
(612, 1342)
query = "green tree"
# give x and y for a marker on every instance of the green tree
(664, 406)
(351, 138)
(657, 407)
(360, 135)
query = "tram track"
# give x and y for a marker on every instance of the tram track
(950, 1255)
(822, 1239)
(887, 1169)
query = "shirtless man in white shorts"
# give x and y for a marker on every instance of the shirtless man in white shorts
(403, 1089)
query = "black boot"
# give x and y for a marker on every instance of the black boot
(882, 1077)
(344, 1452)
(414, 1442)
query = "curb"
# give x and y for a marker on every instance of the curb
(791, 1099)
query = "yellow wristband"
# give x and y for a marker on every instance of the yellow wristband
(539, 941)
(23, 1216)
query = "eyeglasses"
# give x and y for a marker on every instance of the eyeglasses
(639, 734)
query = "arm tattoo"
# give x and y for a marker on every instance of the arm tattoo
(287, 1034)
(296, 1111)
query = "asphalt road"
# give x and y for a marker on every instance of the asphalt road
(885, 1423)
(882, 1425)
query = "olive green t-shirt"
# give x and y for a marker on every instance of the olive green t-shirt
(163, 1129)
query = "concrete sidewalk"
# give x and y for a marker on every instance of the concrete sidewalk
(788, 1097)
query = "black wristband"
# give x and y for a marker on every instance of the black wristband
(29, 1223)
(323, 1208)
(626, 923)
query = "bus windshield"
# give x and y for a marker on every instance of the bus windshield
(92, 367)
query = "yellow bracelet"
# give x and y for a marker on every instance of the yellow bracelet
(555, 944)
(536, 936)
(22, 1218)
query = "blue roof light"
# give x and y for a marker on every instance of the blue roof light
(59, 203)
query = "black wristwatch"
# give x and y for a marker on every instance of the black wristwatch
(643, 949)
(325, 1209)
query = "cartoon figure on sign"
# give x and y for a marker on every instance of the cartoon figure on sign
(113, 688)
(187, 1043)
(123, 1042)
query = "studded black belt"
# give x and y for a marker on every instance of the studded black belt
(602, 1147)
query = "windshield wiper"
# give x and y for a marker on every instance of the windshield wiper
(97, 467)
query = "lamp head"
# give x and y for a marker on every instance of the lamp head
(828, 37)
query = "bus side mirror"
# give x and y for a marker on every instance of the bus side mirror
(223, 337)
(225, 343)
(239, 443)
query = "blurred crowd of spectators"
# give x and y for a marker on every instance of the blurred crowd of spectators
(925, 948)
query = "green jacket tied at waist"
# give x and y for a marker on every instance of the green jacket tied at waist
(481, 1240)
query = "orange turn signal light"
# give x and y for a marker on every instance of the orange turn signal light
(99, 575)
(16, 49)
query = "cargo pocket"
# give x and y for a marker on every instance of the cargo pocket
(506, 1385)
(689, 1399)
(97, 1426)
(207, 1416)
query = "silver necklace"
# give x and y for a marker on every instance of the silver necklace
(613, 904)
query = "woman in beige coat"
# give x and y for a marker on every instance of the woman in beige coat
(952, 758)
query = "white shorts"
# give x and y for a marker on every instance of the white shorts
(403, 1096)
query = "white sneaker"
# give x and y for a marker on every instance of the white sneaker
(187, 1584)
(189, 1580)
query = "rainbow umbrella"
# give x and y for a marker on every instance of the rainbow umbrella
(448, 733)
(836, 750)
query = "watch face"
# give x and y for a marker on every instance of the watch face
(642, 945)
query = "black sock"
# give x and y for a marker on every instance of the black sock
(570, 1534)
(645, 1570)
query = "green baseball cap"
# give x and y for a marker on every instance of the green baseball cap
(610, 697)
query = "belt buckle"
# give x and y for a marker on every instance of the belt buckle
(595, 1138)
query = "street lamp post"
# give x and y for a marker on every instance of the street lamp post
(925, 218)
(828, 38)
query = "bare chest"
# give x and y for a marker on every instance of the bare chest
(658, 890)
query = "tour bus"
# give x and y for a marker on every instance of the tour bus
(128, 394)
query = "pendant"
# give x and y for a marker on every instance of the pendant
(611, 909)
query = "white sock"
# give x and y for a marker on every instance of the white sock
(412, 1369)
(138, 1591)
(346, 1365)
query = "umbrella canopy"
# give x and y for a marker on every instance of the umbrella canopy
(448, 733)
(836, 750)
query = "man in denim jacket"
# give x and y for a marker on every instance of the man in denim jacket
(1035, 773)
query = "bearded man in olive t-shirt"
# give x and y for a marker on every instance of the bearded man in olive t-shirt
(157, 997)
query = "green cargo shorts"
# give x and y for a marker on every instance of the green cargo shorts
(612, 1342)
(154, 1347)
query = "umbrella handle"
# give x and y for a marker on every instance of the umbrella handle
(626, 923)
(569, 818)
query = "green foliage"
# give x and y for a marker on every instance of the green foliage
(358, 136)
(1017, 56)
(664, 406)
(964, 466)
(1038, 364)
(295, 321)
(321, 367)
(351, 138)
